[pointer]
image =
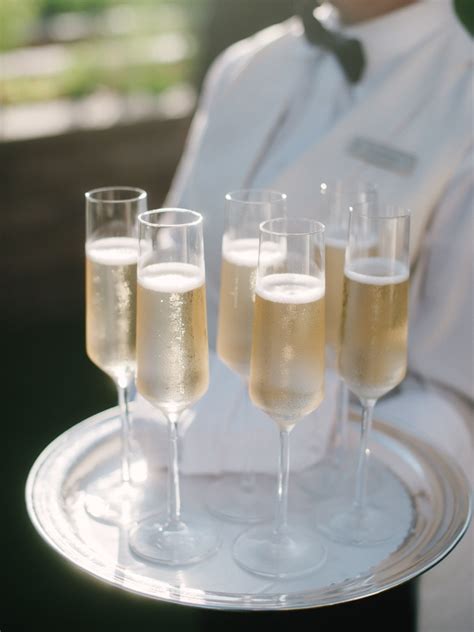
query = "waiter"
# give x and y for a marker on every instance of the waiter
(380, 91)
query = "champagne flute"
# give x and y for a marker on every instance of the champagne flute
(172, 366)
(111, 271)
(373, 353)
(242, 497)
(327, 477)
(286, 380)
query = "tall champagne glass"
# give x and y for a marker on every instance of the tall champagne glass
(373, 353)
(327, 477)
(111, 272)
(286, 380)
(172, 366)
(242, 497)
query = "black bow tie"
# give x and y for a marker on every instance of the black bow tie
(349, 52)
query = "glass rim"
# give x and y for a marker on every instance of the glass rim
(142, 218)
(237, 196)
(140, 194)
(387, 212)
(316, 227)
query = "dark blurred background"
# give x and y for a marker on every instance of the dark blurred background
(92, 93)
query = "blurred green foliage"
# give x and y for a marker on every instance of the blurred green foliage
(51, 7)
(84, 79)
(16, 17)
(120, 62)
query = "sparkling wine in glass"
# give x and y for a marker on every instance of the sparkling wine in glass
(243, 497)
(328, 476)
(172, 367)
(111, 281)
(373, 353)
(286, 381)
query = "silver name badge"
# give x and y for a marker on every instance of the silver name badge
(382, 156)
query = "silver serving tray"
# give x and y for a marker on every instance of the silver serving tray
(426, 493)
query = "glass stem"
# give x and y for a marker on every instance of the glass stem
(360, 500)
(247, 478)
(338, 438)
(281, 524)
(123, 390)
(174, 495)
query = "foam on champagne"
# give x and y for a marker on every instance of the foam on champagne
(244, 252)
(336, 240)
(290, 288)
(171, 277)
(113, 251)
(377, 271)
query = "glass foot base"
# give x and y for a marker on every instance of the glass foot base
(241, 498)
(261, 551)
(346, 525)
(334, 477)
(187, 542)
(112, 503)
(323, 480)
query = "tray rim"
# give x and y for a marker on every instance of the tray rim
(380, 425)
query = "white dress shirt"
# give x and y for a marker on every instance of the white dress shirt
(277, 112)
